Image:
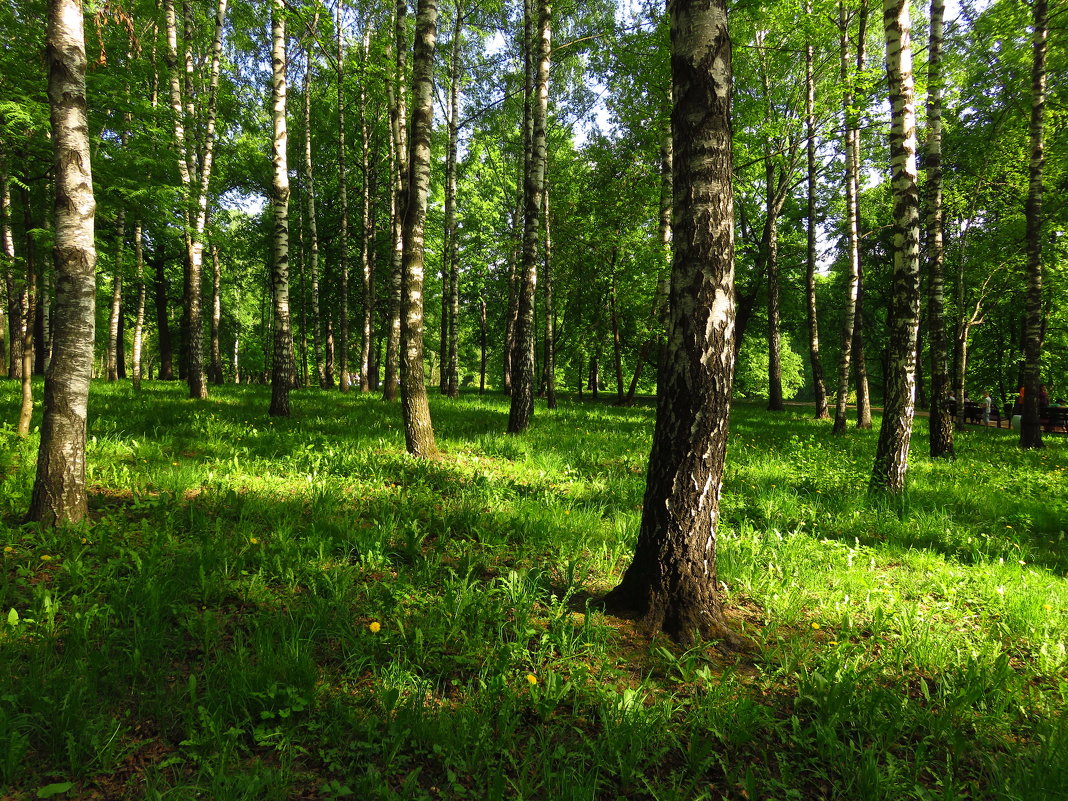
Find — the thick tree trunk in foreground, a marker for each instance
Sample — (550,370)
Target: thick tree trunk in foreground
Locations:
(899,404)
(59,487)
(1030,429)
(282,372)
(522,407)
(418,429)
(940,422)
(671,584)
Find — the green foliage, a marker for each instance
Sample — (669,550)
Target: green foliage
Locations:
(751,373)
(273,608)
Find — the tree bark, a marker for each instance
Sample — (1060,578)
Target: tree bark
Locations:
(59,493)
(166,349)
(216,317)
(30,294)
(344,377)
(116,297)
(1030,428)
(849,311)
(671,583)
(282,372)
(940,421)
(366,232)
(418,428)
(819,385)
(139,319)
(522,406)
(450,273)
(399,200)
(891,456)
(550,313)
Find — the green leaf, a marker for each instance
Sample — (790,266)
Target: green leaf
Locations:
(50,790)
(13,617)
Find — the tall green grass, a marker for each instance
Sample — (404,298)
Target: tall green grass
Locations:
(294,608)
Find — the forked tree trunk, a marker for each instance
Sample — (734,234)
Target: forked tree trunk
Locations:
(891,456)
(1030,428)
(139,319)
(418,428)
(522,407)
(940,421)
(59,487)
(282,371)
(671,583)
(819,386)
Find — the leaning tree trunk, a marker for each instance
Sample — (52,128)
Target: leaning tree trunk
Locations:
(940,422)
(1030,429)
(418,428)
(891,456)
(59,487)
(282,372)
(671,584)
(849,311)
(819,386)
(522,407)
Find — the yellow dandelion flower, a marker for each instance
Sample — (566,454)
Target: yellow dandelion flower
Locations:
(833,642)
(816,626)
(8,549)
(374,627)
(532,679)
(253,541)
(46,558)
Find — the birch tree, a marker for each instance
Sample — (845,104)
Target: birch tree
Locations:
(59,487)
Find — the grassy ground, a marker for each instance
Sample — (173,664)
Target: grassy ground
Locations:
(294,609)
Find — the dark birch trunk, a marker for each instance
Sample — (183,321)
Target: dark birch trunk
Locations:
(891,456)
(30,294)
(59,487)
(366,233)
(940,421)
(671,584)
(1030,428)
(116,298)
(550,313)
(860,361)
(522,407)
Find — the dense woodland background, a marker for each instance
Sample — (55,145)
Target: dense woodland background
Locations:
(608,104)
